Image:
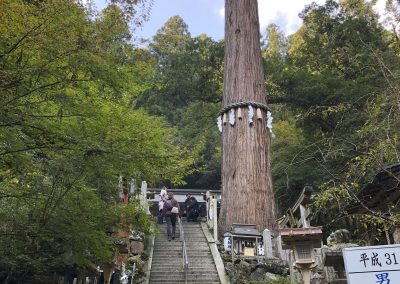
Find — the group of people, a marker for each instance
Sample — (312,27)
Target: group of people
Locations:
(168,208)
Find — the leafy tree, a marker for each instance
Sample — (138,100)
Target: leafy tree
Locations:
(66,134)
(340,67)
(186,89)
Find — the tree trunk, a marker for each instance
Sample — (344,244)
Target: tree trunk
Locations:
(247,195)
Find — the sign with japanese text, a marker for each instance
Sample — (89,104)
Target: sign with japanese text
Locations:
(372,265)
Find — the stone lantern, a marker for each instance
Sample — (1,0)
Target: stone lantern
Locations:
(302,241)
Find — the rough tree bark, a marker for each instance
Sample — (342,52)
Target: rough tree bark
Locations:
(247,195)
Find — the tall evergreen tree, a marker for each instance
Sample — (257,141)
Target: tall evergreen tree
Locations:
(247,195)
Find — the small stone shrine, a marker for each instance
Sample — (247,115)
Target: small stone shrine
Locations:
(243,240)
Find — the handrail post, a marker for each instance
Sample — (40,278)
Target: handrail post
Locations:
(184,251)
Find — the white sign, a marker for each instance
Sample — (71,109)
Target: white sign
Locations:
(372,265)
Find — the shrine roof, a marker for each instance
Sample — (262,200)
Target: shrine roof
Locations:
(381,193)
(245,230)
(300,231)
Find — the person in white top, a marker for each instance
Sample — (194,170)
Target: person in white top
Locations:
(163,198)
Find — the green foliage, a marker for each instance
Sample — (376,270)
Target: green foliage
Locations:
(74,95)
(144,256)
(186,89)
(67,133)
(337,87)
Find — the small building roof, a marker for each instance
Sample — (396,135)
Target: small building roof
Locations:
(290,235)
(245,230)
(300,231)
(380,194)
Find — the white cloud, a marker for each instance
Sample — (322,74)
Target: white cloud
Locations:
(285,13)
(221,12)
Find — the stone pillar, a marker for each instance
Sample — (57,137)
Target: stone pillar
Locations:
(279,247)
(210,212)
(143,197)
(291,267)
(306,274)
(267,244)
(215,220)
(208,208)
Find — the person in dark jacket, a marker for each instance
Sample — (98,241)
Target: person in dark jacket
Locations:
(170,216)
(192,208)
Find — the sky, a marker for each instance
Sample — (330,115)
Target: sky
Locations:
(207,16)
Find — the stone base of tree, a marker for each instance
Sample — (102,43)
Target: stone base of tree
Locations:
(250,271)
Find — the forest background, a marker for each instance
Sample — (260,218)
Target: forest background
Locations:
(82,104)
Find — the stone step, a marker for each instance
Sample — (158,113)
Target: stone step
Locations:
(161,268)
(178,242)
(193,265)
(179,265)
(177,251)
(200,234)
(191,281)
(169,257)
(178,247)
(191,271)
(196,247)
(203,259)
(188,241)
(165,241)
(183,281)
(181,275)
(191,277)
(164,233)
(190,253)
(188,250)
(203,271)
(167,263)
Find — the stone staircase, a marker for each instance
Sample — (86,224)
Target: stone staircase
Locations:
(167,262)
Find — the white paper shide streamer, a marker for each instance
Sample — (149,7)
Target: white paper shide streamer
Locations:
(251,114)
(269,123)
(232,117)
(219,123)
